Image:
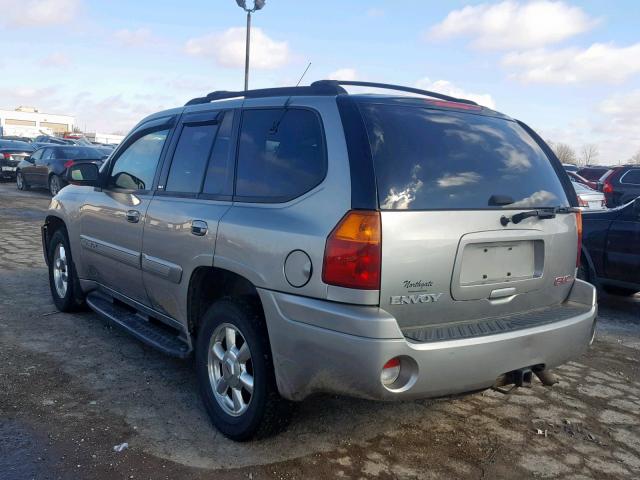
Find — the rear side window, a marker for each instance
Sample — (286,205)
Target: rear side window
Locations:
(281,154)
(632,177)
(428,159)
(190,158)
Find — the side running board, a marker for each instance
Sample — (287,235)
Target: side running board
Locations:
(159,337)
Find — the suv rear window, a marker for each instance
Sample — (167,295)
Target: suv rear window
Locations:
(428,159)
(632,177)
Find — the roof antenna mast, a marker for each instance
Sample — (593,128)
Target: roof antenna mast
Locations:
(303,74)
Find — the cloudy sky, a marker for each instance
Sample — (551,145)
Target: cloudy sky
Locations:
(569,69)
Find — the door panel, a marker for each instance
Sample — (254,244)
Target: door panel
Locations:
(622,255)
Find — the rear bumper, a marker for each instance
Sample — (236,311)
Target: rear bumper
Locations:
(311,358)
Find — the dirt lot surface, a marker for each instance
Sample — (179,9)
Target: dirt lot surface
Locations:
(72,387)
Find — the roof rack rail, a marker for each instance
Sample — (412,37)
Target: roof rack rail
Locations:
(320,89)
(387,86)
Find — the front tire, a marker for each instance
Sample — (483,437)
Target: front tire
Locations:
(21,183)
(63,279)
(235,372)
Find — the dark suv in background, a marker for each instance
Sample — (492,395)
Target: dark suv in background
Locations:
(47,166)
(621,185)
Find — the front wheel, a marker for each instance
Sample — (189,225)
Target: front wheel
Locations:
(235,372)
(63,280)
(21,182)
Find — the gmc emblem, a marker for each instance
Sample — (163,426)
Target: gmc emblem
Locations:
(563,280)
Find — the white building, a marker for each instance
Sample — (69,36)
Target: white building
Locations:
(111,138)
(30,122)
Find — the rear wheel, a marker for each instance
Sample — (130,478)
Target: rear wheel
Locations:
(55,184)
(235,372)
(63,280)
(21,183)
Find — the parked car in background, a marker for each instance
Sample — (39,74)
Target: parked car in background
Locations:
(48,165)
(320,244)
(49,140)
(592,173)
(621,184)
(15,137)
(611,248)
(588,198)
(11,153)
(580,179)
(569,167)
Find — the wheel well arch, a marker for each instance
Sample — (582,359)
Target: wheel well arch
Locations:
(209,284)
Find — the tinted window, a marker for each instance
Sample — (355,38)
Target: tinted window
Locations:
(190,158)
(592,174)
(219,180)
(77,152)
(135,168)
(433,159)
(37,154)
(631,177)
(281,154)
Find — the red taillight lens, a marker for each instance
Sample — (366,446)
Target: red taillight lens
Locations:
(579,228)
(68,163)
(7,156)
(607,187)
(352,255)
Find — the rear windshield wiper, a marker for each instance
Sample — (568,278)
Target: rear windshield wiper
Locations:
(541,213)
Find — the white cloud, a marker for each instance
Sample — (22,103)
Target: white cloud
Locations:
(598,63)
(343,74)
(56,59)
(134,38)
(228,49)
(35,13)
(513,25)
(448,88)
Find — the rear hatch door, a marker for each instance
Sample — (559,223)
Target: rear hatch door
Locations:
(449,184)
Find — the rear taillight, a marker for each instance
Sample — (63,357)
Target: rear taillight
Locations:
(579,228)
(68,163)
(7,156)
(607,187)
(352,255)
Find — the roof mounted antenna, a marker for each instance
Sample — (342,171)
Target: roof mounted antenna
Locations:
(303,74)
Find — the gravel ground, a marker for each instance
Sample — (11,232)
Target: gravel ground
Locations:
(72,387)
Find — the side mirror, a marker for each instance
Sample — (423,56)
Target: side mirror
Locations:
(83,174)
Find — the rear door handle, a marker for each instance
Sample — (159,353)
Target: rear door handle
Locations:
(133,216)
(199,227)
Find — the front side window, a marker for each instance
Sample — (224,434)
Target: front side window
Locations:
(135,168)
(281,154)
(190,158)
(428,159)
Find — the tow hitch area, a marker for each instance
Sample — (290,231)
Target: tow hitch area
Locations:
(522,378)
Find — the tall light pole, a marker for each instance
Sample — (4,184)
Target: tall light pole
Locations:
(257,5)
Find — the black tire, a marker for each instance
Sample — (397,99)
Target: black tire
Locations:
(55,184)
(21,183)
(267,412)
(73,298)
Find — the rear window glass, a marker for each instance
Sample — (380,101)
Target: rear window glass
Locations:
(77,152)
(427,159)
(592,174)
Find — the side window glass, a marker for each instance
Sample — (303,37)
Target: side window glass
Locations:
(135,168)
(281,154)
(37,155)
(219,179)
(190,158)
(632,177)
(48,153)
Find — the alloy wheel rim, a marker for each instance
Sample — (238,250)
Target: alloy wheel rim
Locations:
(230,369)
(19,180)
(60,270)
(55,187)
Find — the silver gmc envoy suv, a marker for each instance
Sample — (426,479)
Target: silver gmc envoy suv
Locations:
(302,240)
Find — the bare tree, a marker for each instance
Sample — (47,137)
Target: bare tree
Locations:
(635,159)
(590,153)
(564,152)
